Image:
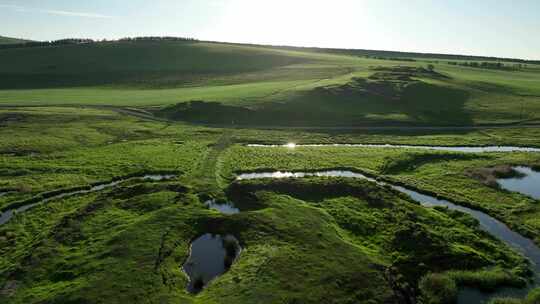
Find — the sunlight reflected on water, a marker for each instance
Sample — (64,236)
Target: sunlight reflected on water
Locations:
(290,145)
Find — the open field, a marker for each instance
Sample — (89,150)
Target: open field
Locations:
(83,249)
(442,173)
(98,145)
(273,86)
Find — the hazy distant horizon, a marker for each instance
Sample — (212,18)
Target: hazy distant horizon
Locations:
(483,28)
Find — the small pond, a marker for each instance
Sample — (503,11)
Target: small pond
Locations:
(528,183)
(158,177)
(210,256)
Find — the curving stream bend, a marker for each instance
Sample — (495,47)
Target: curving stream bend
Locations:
(7,215)
(493,226)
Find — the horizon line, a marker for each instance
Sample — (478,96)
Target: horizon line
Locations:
(118,39)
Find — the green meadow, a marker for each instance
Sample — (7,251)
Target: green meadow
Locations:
(329,89)
(80,115)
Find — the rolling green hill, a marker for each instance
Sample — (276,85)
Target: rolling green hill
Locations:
(9,40)
(133,64)
(267,85)
(101,207)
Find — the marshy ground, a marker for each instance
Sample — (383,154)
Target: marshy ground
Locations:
(297,235)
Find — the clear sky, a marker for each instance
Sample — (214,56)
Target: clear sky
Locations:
(478,27)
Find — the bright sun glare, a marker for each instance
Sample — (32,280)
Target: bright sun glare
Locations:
(291,145)
(299,22)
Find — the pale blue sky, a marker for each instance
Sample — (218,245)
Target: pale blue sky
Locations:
(480,27)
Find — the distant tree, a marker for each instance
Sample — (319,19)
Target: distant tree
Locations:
(431,67)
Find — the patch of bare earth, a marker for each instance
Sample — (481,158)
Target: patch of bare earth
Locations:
(489,175)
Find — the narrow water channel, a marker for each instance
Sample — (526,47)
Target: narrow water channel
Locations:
(493,226)
(8,214)
(464,149)
(528,183)
(223,207)
(210,256)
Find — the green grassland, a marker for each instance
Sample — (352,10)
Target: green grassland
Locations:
(443,173)
(10,40)
(53,148)
(450,137)
(275,86)
(47,148)
(85,248)
(76,115)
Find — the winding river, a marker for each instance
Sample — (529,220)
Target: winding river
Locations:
(8,214)
(493,226)
(463,149)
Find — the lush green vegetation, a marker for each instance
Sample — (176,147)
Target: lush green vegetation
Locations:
(447,174)
(44,149)
(532,298)
(75,114)
(85,248)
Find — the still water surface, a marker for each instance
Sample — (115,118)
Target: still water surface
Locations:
(464,149)
(527,184)
(223,207)
(210,256)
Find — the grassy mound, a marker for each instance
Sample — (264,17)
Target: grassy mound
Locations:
(128,245)
(411,238)
(307,242)
(382,98)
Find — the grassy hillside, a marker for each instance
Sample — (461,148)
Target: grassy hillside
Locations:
(146,64)
(267,86)
(9,40)
(405,56)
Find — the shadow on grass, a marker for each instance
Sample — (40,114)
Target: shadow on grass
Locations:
(357,103)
